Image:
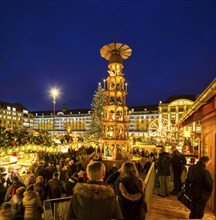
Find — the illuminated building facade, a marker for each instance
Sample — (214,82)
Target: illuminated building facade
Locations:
(15,116)
(77,120)
(172,111)
(141,118)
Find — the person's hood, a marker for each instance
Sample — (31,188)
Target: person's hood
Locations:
(28,195)
(131,188)
(93,194)
(129,196)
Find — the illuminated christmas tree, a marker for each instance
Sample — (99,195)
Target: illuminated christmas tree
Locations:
(98,103)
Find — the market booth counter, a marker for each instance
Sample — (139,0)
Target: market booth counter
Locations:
(19,161)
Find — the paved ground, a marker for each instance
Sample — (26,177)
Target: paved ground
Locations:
(171,208)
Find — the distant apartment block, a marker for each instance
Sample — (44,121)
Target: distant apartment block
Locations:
(15,116)
(141,117)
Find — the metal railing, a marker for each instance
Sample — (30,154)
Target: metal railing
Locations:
(56,209)
(149,185)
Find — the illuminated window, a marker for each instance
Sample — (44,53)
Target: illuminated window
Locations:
(25,111)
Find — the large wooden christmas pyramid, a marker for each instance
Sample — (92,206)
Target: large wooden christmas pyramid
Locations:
(115,124)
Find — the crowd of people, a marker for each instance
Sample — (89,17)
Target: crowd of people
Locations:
(97,192)
(22,196)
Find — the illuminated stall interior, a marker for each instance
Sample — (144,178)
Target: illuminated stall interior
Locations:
(203,112)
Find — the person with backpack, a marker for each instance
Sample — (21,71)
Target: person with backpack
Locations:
(11,191)
(163,164)
(178,160)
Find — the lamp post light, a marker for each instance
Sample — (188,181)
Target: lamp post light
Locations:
(54,92)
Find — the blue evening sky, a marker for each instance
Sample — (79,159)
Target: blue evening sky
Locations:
(57,43)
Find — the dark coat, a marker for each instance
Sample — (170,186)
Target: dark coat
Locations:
(40,171)
(40,189)
(49,172)
(33,206)
(72,169)
(202,182)
(64,175)
(178,160)
(70,184)
(93,200)
(54,188)
(163,164)
(3,191)
(130,191)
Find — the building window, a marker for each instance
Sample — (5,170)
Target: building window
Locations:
(172,109)
(172,121)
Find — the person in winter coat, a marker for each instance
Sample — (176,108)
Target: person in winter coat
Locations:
(49,170)
(70,184)
(17,207)
(64,173)
(130,191)
(112,170)
(94,200)
(32,204)
(11,191)
(30,178)
(39,187)
(5,211)
(40,170)
(178,160)
(71,168)
(202,186)
(163,164)
(54,187)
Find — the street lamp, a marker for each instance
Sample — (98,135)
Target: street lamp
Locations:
(54,92)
